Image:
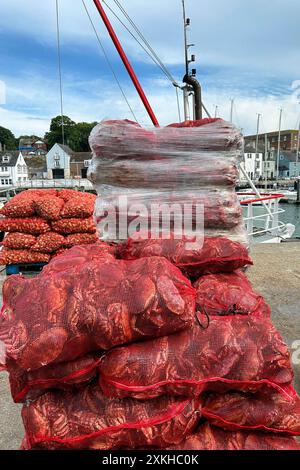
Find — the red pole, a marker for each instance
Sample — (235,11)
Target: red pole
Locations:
(126,62)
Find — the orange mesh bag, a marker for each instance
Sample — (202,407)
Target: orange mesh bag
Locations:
(210,438)
(233,353)
(70,226)
(30,385)
(79,207)
(18,207)
(69,194)
(113,302)
(229,294)
(49,207)
(266,410)
(80,239)
(88,420)
(19,241)
(8,256)
(34,225)
(216,255)
(49,242)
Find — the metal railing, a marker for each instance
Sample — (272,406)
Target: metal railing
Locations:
(270,218)
(58,183)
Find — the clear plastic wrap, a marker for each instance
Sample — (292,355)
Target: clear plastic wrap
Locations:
(191,168)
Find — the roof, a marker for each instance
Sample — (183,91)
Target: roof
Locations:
(66,149)
(273,133)
(78,157)
(13,154)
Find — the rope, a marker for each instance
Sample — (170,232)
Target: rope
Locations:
(60,73)
(108,61)
(142,37)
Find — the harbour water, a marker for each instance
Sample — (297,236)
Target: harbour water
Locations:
(291,215)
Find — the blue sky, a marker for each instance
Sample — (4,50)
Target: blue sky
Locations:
(247,50)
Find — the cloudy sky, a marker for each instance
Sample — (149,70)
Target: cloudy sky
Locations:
(246,50)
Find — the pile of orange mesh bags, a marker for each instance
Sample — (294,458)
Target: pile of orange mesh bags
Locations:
(149,343)
(42,223)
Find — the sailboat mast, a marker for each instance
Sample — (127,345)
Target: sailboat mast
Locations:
(279,142)
(257,132)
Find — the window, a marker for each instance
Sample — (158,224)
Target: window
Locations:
(2,181)
(56,164)
(87,163)
(19,168)
(5,158)
(285,138)
(10,181)
(56,156)
(6,182)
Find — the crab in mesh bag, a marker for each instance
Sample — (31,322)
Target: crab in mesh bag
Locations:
(65,376)
(86,419)
(266,410)
(233,353)
(229,294)
(211,438)
(216,254)
(87,301)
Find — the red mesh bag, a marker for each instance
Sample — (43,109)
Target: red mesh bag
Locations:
(61,251)
(265,410)
(29,385)
(19,241)
(69,194)
(49,207)
(49,242)
(69,226)
(88,420)
(34,226)
(216,255)
(79,207)
(18,207)
(210,438)
(198,123)
(80,239)
(113,302)
(8,256)
(233,353)
(229,294)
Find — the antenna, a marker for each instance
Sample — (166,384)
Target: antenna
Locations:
(192,85)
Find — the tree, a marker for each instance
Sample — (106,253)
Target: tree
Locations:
(55,134)
(8,139)
(76,134)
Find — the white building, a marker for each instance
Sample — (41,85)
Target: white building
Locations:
(63,162)
(13,169)
(253,165)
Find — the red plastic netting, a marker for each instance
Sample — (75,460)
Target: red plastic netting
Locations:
(33,226)
(19,241)
(30,385)
(79,207)
(229,294)
(49,207)
(113,302)
(233,353)
(210,438)
(88,420)
(265,410)
(8,257)
(49,242)
(80,239)
(69,226)
(216,255)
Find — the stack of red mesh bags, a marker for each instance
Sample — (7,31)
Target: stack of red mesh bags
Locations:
(42,223)
(187,165)
(148,344)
